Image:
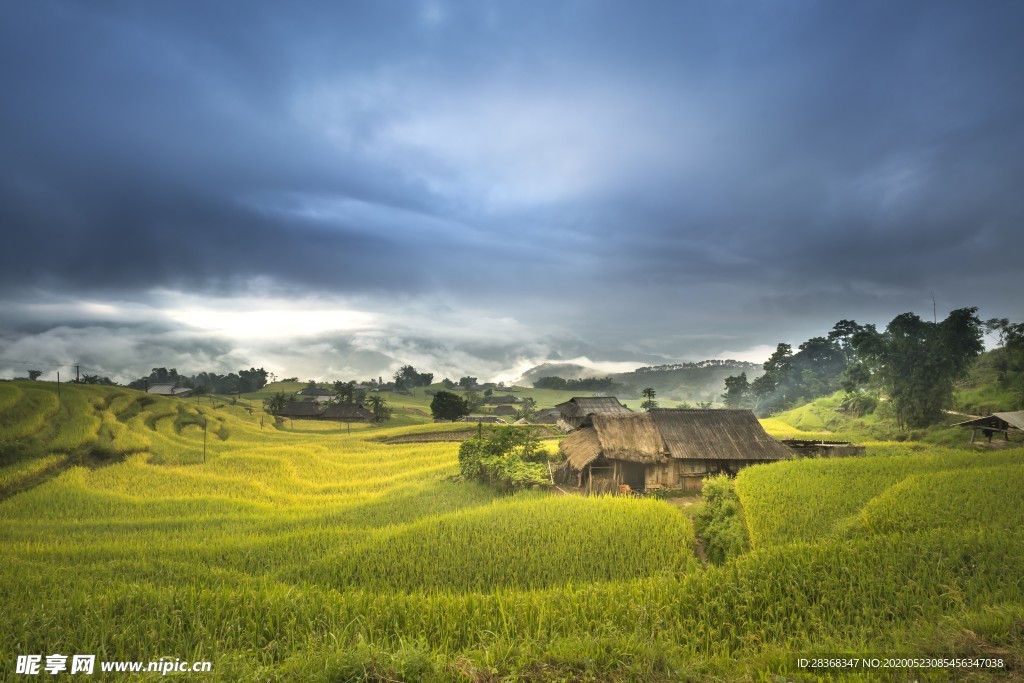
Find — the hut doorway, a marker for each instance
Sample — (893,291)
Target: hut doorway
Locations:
(633,474)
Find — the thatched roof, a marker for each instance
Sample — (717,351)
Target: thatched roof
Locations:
(500,400)
(581,406)
(716,435)
(996,421)
(347,411)
(629,436)
(1013,419)
(300,409)
(581,448)
(661,434)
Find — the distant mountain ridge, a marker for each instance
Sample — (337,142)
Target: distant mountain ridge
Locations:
(710,363)
(693,381)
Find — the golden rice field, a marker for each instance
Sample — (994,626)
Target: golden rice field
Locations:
(309,553)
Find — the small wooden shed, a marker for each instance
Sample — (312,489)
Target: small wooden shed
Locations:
(665,448)
(996,423)
(809,448)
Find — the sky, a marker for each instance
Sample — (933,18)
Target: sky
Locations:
(332,190)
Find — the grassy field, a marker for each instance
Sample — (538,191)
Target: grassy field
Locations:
(306,552)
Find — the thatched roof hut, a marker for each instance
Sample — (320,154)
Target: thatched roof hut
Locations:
(716,434)
(500,400)
(347,412)
(577,410)
(667,447)
(1005,423)
(300,409)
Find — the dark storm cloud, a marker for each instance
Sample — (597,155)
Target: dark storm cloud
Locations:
(672,178)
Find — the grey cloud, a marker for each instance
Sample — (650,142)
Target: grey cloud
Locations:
(659,180)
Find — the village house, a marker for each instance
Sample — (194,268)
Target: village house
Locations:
(546,416)
(169,390)
(500,400)
(315,392)
(576,412)
(664,448)
(348,412)
(304,410)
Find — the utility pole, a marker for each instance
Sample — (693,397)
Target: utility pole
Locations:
(58,386)
(76,374)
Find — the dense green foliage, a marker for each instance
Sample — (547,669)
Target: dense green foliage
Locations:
(596,384)
(737,391)
(407,377)
(916,362)
(508,458)
(448,406)
(996,380)
(244,381)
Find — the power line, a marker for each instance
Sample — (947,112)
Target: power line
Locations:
(33,362)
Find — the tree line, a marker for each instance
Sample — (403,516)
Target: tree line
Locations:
(914,363)
(244,381)
(598,384)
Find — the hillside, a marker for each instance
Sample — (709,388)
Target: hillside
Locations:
(691,382)
(307,553)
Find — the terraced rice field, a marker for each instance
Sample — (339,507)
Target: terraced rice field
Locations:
(311,553)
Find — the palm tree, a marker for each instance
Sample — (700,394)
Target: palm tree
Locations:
(379,407)
(649,401)
(276,403)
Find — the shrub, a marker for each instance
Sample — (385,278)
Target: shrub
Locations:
(509,458)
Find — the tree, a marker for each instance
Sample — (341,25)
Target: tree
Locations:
(34,374)
(474,400)
(97,379)
(345,392)
(252,379)
(527,407)
(842,335)
(276,403)
(766,388)
(917,362)
(649,401)
(737,391)
(407,377)
(467,382)
(379,407)
(448,406)
(509,458)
